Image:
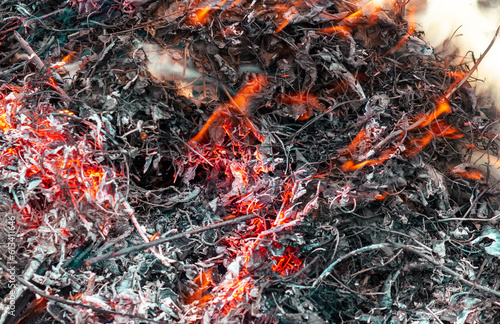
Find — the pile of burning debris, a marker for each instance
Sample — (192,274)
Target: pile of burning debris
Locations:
(240,162)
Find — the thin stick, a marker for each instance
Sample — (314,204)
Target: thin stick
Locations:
(19,289)
(455,86)
(327,271)
(331,109)
(32,55)
(144,246)
(39,63)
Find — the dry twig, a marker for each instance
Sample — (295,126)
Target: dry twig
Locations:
(144,246)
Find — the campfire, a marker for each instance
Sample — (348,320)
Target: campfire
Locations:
(242,162)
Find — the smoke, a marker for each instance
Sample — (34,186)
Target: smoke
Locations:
(470,26)
(168,64)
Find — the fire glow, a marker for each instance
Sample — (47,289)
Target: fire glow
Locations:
(246,167)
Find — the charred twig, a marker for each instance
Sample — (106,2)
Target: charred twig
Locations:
(455,274)
(18,290)
(61,300)
(144,246)
(330,110)
(378,266)
(428,258)
(195,151)
(329,269)
(146,239)
(456,85)
(11,54)
(39,63)
(32,55)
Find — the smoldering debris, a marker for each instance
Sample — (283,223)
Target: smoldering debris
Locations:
(241,162)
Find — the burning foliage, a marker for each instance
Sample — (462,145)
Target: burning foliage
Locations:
(240,162)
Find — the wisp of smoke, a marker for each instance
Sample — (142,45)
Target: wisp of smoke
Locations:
(471,27)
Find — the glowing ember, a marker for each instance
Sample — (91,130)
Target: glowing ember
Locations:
(309,101)
(67,112)
(4,124)
(288,263)
(60,173)
(382,196)
(235,288)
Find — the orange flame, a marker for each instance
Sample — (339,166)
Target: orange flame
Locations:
(455,74)
(288,16)
(443,107)
(200,16)
(441,128)
(204,281)
(370,9)
(415,146)
(342,30)
(470,174)
(253,87)
(386,154)
(239,105)
(360,137)
(350,166)
(355,16)
(232,5)
(68,58)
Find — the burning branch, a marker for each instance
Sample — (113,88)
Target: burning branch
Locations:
(457,84)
